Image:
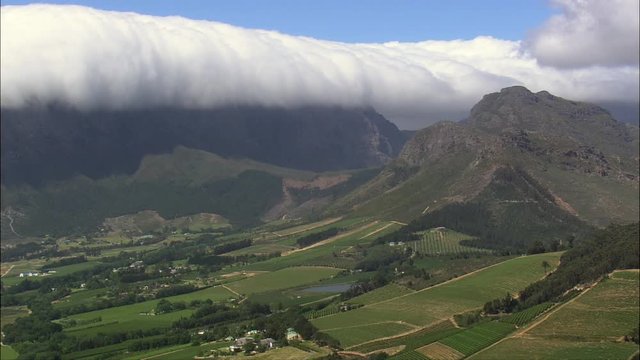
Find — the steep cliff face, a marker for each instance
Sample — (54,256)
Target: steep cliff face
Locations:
(39,145)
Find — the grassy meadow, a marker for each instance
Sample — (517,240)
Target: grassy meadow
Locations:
(282,279)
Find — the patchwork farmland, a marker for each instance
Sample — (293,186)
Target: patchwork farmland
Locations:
(440,302)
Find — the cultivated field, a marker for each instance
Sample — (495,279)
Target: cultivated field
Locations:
(358,334)
(411,341)
(330,253)
(131,317)
(477,337)
(522,317)
(380,294)
(186,352)
(408,355)
(439,351)
(441,242)
(282,279)
(589,327)
(440,302)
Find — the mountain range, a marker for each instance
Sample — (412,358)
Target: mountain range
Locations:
(531,160)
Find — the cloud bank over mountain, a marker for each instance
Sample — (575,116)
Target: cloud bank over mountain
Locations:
(93,59)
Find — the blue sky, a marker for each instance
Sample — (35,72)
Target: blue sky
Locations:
(355,20)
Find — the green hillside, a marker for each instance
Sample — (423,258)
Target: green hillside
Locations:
(183,183)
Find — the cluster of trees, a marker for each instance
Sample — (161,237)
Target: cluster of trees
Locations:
(311,239)
(468,318)
(216,262)
(275,326)
(380,279)
(178,289)
(165,306)
(35,327)
(538,247)
(229,247)
(20,251)
(506,304)
(173,338)
(216,314)
(65,261)
(379,257)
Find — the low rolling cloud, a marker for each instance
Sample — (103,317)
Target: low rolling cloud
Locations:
(93,59)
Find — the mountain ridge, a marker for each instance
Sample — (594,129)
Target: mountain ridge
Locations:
(40,145)
(577,151)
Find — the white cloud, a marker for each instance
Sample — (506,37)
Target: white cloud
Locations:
(590,32)
(97,59)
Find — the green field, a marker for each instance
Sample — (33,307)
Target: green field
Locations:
(590,327)
(70,269)
(129,316)
(282,279)
(329,310)
(353,335)
(522,317)
(441,242)
(440,302)
(287,298)
(411,341)
(478,337)
(80,297)
(179,352)
(7,353)
(380,294)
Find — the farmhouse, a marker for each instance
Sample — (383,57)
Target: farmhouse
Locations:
(268,342)
(30,274)
(293,335)
(137,264)
(243,341)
